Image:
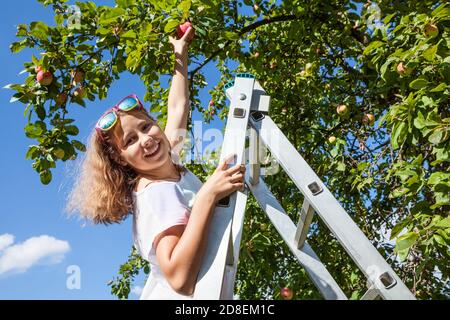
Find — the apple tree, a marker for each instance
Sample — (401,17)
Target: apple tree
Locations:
(361,89)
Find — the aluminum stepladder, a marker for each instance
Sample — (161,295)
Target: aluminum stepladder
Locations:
(249,108)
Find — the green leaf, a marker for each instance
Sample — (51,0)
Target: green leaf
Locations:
(398,134)
(185,5)
(125,3)
(171,25)
(372,46)
(39,30)
(59,19)
(438,88)
(418,84)
(437,177)
(403,254)
(396,193)
(442,12)
(130,34)
(18,46)
(406,241)
(32,152)
(78,145)
(430,53)
(444,223)
(437,136)
(231,35)
(33,131)
(111,15)
(340,166)
(72,130)
(399,227)
(439,239)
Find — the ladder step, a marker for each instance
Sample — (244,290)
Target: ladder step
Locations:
(371,294)
(304,221)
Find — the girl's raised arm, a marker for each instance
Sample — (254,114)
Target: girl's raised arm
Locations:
(178,101)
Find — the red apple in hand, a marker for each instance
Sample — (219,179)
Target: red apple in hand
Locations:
(286,293)
(44,77)
(182,28)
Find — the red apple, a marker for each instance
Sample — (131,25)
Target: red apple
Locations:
(61,98)
(431,30)
(77,76)
(182,28)
(286,293)
(342,109)
(44,77)
(403,70)
(79,92)
(284,110)
(369,119)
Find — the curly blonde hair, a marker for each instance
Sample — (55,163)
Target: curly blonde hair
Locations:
(102,191)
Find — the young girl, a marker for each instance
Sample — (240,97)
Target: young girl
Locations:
(129,169)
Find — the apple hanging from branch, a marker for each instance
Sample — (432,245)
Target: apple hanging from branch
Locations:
(342,110)
(431,30)
(369,119)
(44,77)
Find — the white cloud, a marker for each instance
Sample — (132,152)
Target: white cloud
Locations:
(137,290)
(6,240)
(20,257)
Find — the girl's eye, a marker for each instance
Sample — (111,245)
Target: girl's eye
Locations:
(129,142)
(146,126)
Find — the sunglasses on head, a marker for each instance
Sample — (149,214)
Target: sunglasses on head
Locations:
(109,118)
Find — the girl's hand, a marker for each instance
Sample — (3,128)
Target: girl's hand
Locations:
(224,181)
(181,45)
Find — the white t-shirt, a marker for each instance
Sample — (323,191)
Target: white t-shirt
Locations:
(157,207)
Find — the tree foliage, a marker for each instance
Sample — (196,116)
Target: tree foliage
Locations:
(389,59)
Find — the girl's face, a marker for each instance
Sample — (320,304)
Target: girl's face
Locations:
(141,142)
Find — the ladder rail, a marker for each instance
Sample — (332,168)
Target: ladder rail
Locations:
(211,275)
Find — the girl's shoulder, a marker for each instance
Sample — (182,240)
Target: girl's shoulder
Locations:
(144,182)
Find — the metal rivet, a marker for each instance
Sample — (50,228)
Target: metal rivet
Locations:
(242,96)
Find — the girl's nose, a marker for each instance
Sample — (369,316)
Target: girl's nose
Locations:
(148,141)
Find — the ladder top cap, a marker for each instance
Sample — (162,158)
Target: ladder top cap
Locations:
(245,75)
(229,84)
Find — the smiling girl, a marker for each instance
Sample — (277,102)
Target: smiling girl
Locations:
(129,168)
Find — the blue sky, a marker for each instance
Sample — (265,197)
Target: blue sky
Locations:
(39,244)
